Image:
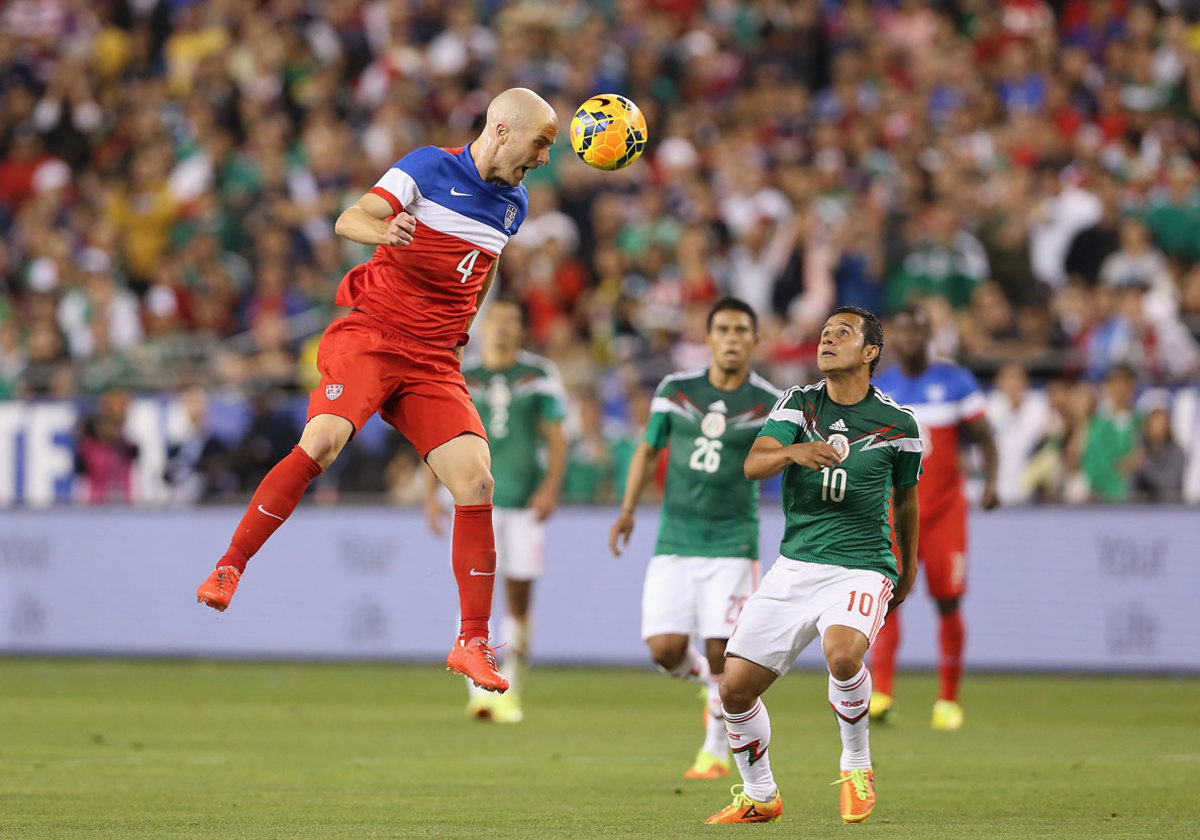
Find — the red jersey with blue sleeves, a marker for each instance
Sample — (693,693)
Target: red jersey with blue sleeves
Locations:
(428,289)
(943,398)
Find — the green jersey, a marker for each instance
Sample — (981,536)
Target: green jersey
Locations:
(513,403)
(709,508)
(839,515)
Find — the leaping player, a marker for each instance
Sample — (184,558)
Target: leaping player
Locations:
(440,218)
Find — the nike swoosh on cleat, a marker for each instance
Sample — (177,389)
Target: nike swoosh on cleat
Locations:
(477,573)
(262,509)
(453,191)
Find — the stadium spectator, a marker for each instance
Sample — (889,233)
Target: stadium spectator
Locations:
(104,455)
(1159,460)
(946,261)
(1018,415)
(199,467)
(1112,437)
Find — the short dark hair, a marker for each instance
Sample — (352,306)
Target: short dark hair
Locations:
(872,328)
(731,304)
(513,300)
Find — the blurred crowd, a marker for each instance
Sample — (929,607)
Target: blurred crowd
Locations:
(170,171)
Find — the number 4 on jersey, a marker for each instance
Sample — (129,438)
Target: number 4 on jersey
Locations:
(467,264)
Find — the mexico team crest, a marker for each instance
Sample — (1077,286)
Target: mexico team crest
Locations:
(841,445)
(510,216)
(713,424)
(332,392)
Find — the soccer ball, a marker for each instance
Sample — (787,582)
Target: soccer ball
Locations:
(608,131)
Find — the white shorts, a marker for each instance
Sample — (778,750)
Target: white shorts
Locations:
(798,601)
(520,543)
(696,596)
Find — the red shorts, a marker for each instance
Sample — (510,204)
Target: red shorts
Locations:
(942,550)
(415,387)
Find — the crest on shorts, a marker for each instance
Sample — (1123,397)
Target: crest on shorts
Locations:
(510,216)
(332,392)
(841,445)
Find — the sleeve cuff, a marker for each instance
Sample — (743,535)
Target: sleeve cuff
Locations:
(388,197)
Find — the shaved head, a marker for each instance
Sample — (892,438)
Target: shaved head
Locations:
(521,128)
(516,105)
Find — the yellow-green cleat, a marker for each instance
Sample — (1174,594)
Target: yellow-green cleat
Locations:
(506,708)
(480,706)
(947,716)
(707,766)
(881,706)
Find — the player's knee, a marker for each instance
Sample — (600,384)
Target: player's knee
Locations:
(843,664)
(736,698)
(666,656)
(322,445)
(472,485)
(947,606)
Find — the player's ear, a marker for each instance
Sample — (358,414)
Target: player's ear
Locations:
(872,351)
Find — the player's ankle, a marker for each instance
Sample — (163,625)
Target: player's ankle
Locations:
(473,629)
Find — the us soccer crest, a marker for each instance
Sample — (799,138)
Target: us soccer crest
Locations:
(332,392)
(841,445)
(713,424)
(510,216)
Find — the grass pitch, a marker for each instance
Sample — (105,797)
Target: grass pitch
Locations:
(98,749)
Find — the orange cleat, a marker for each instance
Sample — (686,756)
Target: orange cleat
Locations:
(743,809)
(858,794)
(476,661)
(218,590)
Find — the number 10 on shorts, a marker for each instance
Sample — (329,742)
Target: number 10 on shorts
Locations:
(866,602)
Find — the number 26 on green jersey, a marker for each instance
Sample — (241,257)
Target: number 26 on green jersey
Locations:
(706,457)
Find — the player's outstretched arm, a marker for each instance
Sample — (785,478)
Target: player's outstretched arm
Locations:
(905,516)
(635,484)
(365,222)
(768,457)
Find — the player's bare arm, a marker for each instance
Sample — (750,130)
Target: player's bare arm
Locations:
(980,433)
(768,457)
(366,222)
(905,516)
(635,485)
(545,498)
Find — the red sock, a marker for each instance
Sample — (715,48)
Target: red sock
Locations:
(473,549)
(883,655)
(272,503)
(950,636)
